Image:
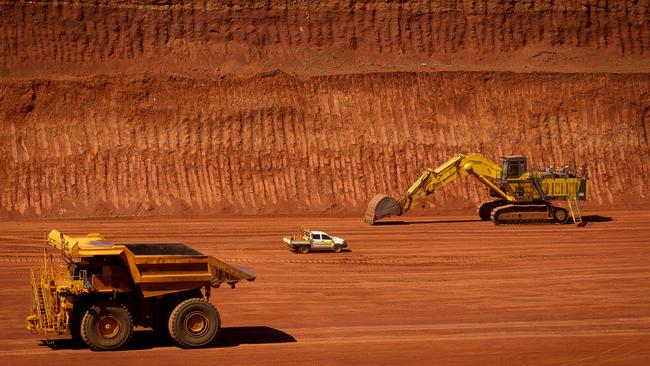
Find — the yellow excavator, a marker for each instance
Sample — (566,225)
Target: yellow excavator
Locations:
(523,197)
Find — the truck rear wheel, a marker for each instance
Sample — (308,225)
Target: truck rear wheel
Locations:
(303,249)
(194,323)
(106,327)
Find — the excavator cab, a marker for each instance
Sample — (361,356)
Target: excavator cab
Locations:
(514,166)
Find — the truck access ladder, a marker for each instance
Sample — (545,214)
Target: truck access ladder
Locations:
(575,209)
(42,309)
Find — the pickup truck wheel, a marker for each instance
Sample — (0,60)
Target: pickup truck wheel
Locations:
(194,323)
(337,249)
(106,327)
(303,249)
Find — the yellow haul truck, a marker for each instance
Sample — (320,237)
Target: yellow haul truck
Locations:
(99,291)
(523,196)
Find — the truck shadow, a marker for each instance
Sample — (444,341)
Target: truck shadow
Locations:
(388,223)
(234,336)
(228,337)
(329,252)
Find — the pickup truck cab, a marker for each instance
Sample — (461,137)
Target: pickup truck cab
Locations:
(309,240)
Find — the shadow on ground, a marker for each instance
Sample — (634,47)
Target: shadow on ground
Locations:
(387,223)
(596,218)
(585,219)
(228,337)
(327,251)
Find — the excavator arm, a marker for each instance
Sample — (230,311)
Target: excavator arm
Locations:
(430,180)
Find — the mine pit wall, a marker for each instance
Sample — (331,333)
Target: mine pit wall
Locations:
(275,143)
(321,37)
(177,107)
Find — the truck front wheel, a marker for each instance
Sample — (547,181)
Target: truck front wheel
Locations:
(106,327)
(194,323)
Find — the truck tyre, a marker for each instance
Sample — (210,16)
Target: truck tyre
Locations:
(106,327)
(303,249)
(337,249)
(194,323)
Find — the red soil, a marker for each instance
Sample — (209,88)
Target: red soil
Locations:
(419,294)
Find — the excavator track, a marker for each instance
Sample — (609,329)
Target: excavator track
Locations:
(486,209)
(526,214)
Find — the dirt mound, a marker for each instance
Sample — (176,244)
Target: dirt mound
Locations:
(120,108)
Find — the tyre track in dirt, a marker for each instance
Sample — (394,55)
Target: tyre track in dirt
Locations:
(543,295)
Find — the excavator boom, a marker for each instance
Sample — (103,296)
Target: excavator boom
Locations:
(381,205)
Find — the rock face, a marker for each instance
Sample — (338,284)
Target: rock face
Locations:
(207,107)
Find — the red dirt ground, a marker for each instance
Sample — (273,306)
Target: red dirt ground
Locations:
(428,290)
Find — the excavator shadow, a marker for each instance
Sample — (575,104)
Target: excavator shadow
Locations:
(585,220)
(594,218)
(394,222)
(228,337)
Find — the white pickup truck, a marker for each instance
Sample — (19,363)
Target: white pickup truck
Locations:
(309,240)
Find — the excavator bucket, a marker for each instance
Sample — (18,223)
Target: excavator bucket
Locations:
(381,206)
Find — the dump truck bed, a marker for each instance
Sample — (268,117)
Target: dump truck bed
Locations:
(159,268)
(155,268)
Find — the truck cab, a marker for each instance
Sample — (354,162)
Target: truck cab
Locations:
(322,240)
